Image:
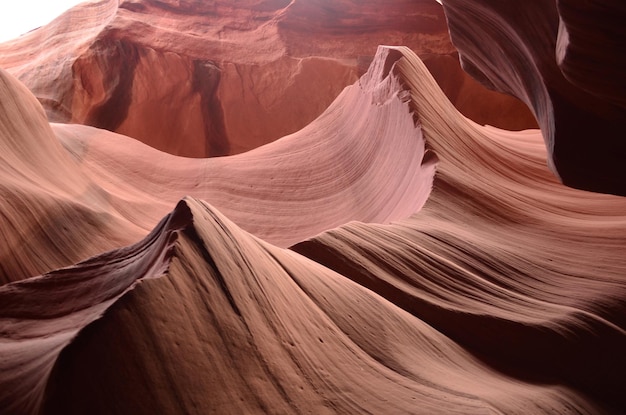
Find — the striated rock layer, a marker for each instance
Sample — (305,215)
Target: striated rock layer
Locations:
(362,159)
(565,60)
(200,79)
(503,294)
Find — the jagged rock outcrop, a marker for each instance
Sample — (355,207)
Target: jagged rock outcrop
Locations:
(200,79)
(565,60)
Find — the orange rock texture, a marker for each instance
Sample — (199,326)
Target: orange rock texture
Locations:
(201,79)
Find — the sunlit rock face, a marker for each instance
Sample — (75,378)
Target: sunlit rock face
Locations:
(205,79)
(564,59)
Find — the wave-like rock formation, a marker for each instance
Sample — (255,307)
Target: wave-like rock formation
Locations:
(200,79)
(565,60)
(503,294)
(362,159)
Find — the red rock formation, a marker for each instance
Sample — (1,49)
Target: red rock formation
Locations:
(199,79)
(563,59)
(505,293)
(362,159)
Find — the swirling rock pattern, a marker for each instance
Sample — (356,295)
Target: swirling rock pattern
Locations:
(201,79)
(503,294)
(563,58)
(362,159)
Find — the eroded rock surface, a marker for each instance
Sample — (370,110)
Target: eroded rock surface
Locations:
(565,60)
(503,292)
(201,79)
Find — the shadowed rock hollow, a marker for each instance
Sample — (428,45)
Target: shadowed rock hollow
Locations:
(565,60)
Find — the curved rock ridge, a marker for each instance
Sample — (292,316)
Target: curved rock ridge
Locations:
(504,293)
(520,270)
(85,190)
(563,59)
(41,316)
(262,328)
(203,79)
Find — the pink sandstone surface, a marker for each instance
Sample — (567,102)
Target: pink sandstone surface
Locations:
(392,256)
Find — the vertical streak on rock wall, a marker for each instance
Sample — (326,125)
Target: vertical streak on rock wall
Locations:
(117,61)
(206,79)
